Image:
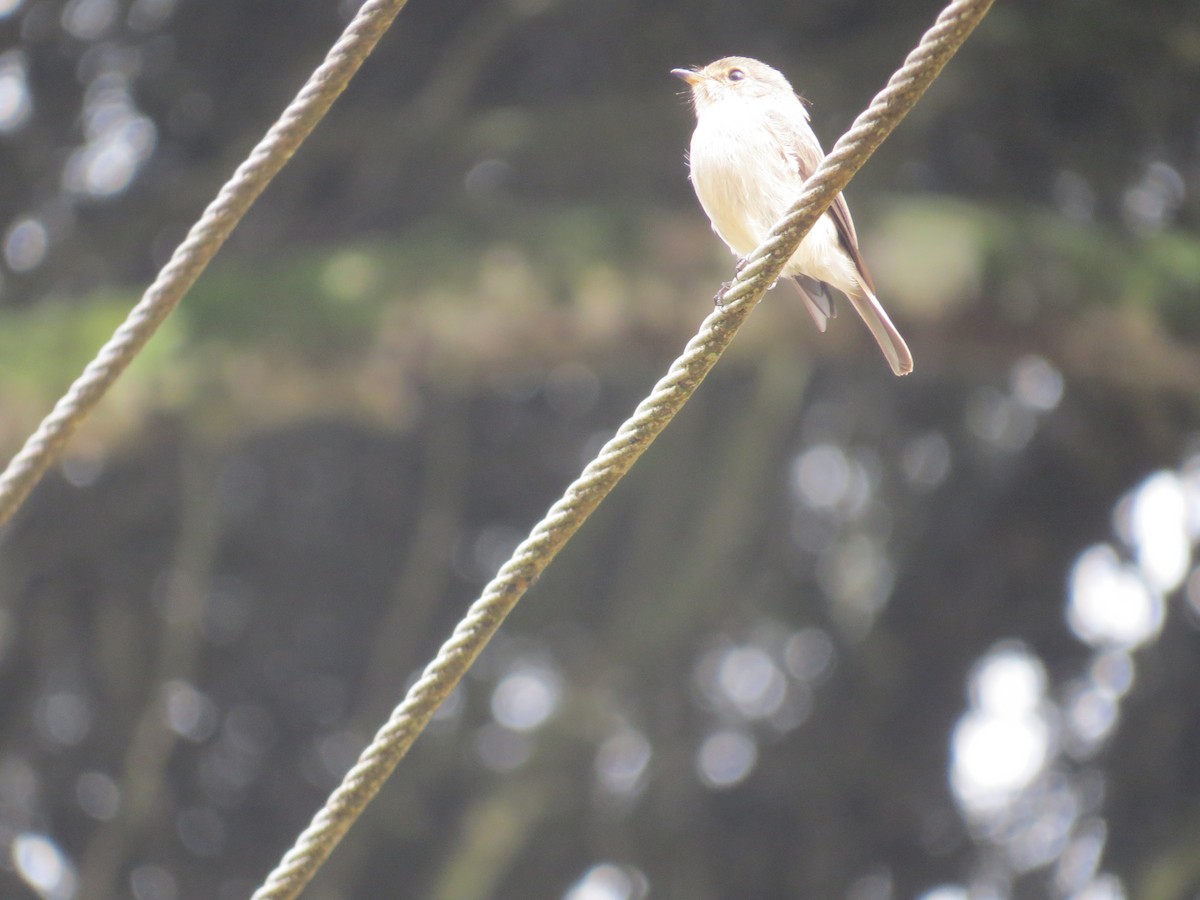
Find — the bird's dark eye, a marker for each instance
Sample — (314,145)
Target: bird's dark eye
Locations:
(735,75)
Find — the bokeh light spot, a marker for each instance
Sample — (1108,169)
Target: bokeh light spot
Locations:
(725,758)
(1110,604)
(751,682)
(64,717)
(98,795)
(26,244)
(926,460)
(502,749)
(1002,743)
(526,697)
(89,19)
(1000,421)
(821,476)
(44,866)
(189,713)
(608,881)
(945,892)
(1008,682)
(621,762)
(809,655)
(1159,531)
(1036,384)
(996,756)
(16,103)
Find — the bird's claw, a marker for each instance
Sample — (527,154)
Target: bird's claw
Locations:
(719,296)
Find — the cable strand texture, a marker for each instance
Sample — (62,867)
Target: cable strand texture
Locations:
(652,415)
(193,255)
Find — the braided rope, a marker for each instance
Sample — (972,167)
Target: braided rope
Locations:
(192,256)
(565,517)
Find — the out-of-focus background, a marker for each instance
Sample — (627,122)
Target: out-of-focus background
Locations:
(837,635)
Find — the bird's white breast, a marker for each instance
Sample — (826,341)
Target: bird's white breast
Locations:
(746,180)
(741,177)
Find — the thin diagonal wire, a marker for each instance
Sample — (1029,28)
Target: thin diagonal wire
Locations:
(565,517)
(192,256)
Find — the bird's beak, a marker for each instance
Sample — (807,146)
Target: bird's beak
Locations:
(689,75)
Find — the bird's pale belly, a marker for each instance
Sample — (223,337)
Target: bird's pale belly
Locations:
(747,191)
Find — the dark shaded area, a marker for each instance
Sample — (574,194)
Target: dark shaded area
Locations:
(837,634)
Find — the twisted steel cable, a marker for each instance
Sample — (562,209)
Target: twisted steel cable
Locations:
(632,439)
(192,256)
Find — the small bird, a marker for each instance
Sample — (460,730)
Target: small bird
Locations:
(752,151)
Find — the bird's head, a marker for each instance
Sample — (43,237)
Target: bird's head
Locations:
(733,77)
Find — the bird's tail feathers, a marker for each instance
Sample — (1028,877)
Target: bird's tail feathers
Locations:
(884,332)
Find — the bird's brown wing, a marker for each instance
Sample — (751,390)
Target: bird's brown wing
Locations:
(805,153)
(802,150)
